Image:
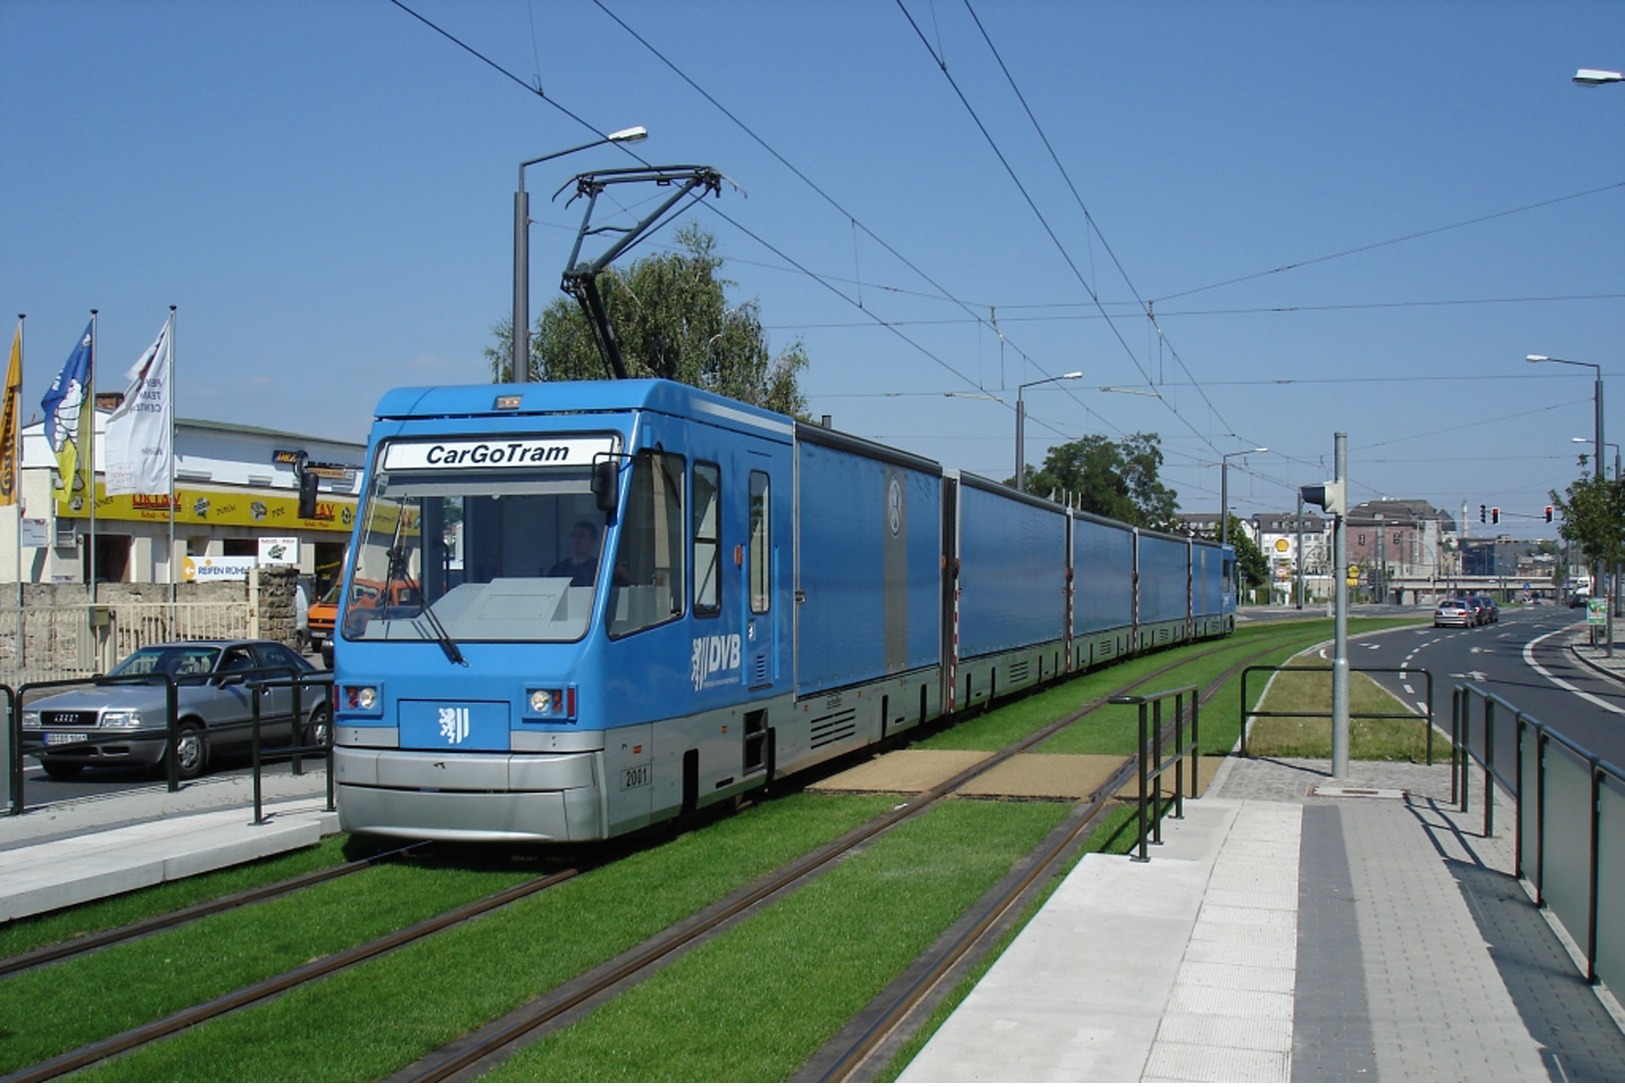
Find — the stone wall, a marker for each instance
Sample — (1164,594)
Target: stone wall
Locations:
(58,635)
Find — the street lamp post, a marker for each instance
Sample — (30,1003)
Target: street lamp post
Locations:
(1596,77)
(1597,438)
(521,247)
(1021,419)
(1224,490)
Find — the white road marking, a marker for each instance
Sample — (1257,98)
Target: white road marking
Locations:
(1529,659)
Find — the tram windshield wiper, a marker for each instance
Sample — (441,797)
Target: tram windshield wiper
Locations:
(442,637)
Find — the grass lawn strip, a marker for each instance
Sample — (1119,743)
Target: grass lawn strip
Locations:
(381,1016)
(755,1003)
(57,1008)
(43,930)
(1374,739)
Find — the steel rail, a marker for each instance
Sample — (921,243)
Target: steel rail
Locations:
(873,1031)
(480,1045)
(80,945)
(125,1041)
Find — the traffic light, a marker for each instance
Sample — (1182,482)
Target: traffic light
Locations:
(308,482)
(1548,515)
(1328,496)
(1483,513)
(1495,515)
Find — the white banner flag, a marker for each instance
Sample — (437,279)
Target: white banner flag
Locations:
(137,454)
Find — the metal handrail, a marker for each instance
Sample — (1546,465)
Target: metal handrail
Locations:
(1151,765)
(14,752)
(298,682)
(1598,772)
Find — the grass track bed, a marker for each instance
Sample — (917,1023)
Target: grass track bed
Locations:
(756,1003)
(811,960)
(58,1008)
(31,933)
(369,1022)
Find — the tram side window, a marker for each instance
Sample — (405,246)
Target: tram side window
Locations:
(648,583)
(761,589)
(707,539)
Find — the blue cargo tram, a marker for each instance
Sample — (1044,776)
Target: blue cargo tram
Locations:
(582,608)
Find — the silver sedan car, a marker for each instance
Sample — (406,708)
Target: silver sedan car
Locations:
(1455,613)
(125,724)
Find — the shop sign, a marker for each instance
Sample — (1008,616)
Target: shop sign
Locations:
(239,509)
(342,473)
(221,568)
(279,550)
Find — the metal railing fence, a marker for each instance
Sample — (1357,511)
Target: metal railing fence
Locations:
(318,742)
(1565,796)
(1426,718)
(1151,765)
(257,681)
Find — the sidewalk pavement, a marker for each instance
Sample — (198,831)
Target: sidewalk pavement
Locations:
(68,852)
(1294,928)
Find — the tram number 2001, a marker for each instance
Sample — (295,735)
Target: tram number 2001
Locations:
(635,777)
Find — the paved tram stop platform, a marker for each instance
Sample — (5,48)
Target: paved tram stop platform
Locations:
(1289,928)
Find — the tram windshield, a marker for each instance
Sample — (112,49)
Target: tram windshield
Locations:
(460,544)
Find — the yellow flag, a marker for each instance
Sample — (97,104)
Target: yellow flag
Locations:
(10,459)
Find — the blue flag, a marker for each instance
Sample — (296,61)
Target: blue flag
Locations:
(66,406)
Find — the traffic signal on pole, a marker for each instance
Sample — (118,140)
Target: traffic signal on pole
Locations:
(1483,513)
(1495,515)
(1548,515)
(1328,496)
(308,482)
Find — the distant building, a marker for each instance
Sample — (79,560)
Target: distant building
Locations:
(1402,538)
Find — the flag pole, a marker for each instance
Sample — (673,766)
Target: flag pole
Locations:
(88,465)
(16,437)
(172,455)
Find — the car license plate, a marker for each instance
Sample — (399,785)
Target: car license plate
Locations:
(54,738)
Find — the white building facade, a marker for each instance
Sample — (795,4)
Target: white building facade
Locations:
(235,503)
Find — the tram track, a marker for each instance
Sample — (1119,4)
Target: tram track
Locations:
(479,1049)
(475,1053)
(147,926)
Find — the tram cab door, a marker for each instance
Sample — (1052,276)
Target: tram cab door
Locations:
(761,623)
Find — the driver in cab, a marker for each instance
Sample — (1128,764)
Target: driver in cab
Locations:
(581,565)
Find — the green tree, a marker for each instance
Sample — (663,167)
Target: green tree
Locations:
(1113,479)
(671,316)
(1593,517)
(1252,568)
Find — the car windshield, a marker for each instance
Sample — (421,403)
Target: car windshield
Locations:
(492,540)
(187,660)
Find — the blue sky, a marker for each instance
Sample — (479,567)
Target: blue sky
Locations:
(1351,217)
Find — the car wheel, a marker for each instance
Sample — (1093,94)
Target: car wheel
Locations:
(191,752)
(316,730)
(61,771)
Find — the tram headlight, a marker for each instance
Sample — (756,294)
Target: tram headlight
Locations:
(361,698)
(552,702)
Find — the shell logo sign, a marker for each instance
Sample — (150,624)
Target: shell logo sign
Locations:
(1281,546)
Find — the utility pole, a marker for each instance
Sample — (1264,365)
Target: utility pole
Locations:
(1340,650)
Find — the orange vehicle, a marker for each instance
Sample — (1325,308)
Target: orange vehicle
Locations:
(322,618)
(323,615)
